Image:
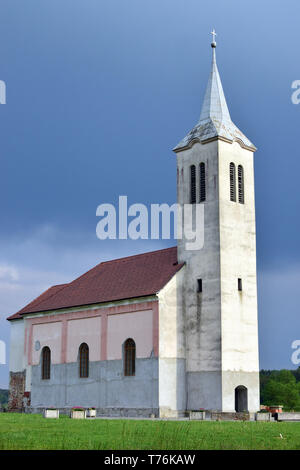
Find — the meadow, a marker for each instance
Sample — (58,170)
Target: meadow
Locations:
(33,432)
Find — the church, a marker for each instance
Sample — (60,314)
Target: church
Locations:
(164,332)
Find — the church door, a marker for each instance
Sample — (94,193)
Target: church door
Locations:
(241,398)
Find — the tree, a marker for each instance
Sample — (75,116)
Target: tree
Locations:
(3,397)
(296,374)
(281,388)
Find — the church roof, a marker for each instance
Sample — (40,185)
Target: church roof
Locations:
(119,279)
(215,120)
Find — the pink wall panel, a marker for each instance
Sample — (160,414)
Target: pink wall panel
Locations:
(136,325)
(85,330)
(103,329)
(48,334)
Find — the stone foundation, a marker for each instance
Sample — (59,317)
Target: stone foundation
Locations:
(229,416)
(165,413)
(263,416)
(287,416)
(109,412)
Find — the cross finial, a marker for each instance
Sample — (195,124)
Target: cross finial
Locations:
(213,44)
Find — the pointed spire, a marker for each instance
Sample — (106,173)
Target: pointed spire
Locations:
(215,120)
(214,105)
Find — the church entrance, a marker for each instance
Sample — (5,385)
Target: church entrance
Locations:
(241,398)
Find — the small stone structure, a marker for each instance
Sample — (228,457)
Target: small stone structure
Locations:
(91,413)
(197,415)
(274,408)
(264,417)
(78,414)
(51,413)
(285,416)
(234,416)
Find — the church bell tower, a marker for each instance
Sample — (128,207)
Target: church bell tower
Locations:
(218,292)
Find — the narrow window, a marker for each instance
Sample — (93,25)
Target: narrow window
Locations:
(129,357)
(202,182)
(46,362)
(240,287)
(232,182)
(193,185)
(241,184)
(199,285)
(83,360)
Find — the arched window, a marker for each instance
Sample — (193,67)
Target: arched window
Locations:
(193,184)
(241,184)
(202,182)
(83,360)
(129,357)
(232,182)
(46,363)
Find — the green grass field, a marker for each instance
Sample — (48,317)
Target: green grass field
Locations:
(24,432)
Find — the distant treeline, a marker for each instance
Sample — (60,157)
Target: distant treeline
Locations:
(280,387)
(3,397)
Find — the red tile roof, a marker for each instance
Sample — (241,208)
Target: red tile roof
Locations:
(41,298)
(124,278)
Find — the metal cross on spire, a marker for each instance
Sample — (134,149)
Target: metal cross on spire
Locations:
(214,34)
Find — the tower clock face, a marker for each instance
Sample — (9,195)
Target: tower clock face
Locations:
(37,345)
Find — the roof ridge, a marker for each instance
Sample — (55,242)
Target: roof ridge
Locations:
(121,259)
(139,254)
(42,294)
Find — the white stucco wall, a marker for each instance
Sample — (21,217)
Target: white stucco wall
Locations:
(16,357)
(171,321)
(202,312)
(220,323)
(172,390)
(238,260)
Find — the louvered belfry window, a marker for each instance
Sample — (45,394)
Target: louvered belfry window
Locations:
(46,363)
(202,182)
(241,184)
(232,182)
(129,357)
(193,184)
(83,360)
